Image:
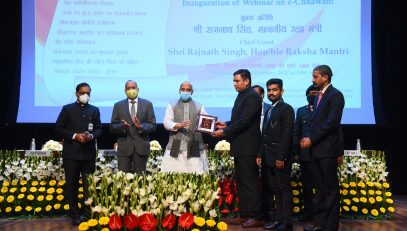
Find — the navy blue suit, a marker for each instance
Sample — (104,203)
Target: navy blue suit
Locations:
(326,145)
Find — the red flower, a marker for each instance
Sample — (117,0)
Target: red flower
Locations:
(115,223)
(130,221)
(237,199)
(225,211)
(235,185)
(220,201)
(227,186)
(235,210)
(229,199)
(168,221)
(186,220)
(147,222)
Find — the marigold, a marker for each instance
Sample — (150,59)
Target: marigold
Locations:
(363,199)
(104,220)
(52,183)
(4,189)
(6,183)
(210,223)
(378,192)
(296,200)
(10,198)
(382,210)
(346,208)
(80,189)
(80,196)
(378,185)
(14,182)
(388,194)
(38,209)
(41,189)
(353,192)
(389,201)
(9,209)
(48,208)
(60,190)
(66,207)
(345,185)
(386,185)
(352,184)
(33,189)
(60,197)
(296,192)
(1,198)
(293,184)
(30,197)
(83,226)
(199,221)
(372,200)
(57,206)
(346,201)
(105,229)
(61,183)
(222,226)
(370,184)
(43,183)
(371,192)
(13,190)
(34,183)
(361,184)
(391,209)
(195,229)
(92,222)
(40,198)
(23,182)
(49,197)
(23,189)
(355,199)
(363,192)
(20,196)
(18,208)
(374,212)
(354,208)
(365,211)
(379,199)
(296,209)
(344,192)
(50,190)
(28,208)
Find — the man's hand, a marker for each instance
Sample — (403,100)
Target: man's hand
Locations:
(80,137)
(218,133)
(125,124)
(280,164)
(184,124)
(305,143)
(220,125)
(258,161)
(137,122)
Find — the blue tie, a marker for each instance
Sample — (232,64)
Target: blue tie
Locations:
(267,119)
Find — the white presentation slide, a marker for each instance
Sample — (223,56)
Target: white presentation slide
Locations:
(160,44)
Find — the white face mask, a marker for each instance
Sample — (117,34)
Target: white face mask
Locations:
(84,98)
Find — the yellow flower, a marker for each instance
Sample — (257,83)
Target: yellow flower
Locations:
(374,212)
(33,189)
(18,208)
(363,192)
(10,198)
(346,208)
(30,197)
(92,222)
(1,198)
(371,192)
(6,183)
(352,192)
(345,185)
(57,206)
(83,226)
(378,185)
(48,208)
(378,192)
(382,210)
(80,196)
(389,201)
(296,192)
(386,185)
(60,197)
(61,183)
(296,209)
(43,183)
(344,192)
(293,184)
(346,201)
(195,229)
(365,211)
(41,189)
(391,209)
(52,183)
(199,221)
(60,190)
(222,226)
(80,189)
(4,189)
(37,210)
(104,220)
(379,198)
(210,223)
(371,200)
(370,184)
(388,194)
(355,199)
(9,209)
(361,184)
(50,190)
(28,208)
(296,200)
(20,196)
(79,205)
(66,207)
(40,198)
(14,182)
(352,184)
(34,183)
(354,208)
(300,183)
(363,199)
(23,182)
(49,197)
(23,189)
(13,190)
(105,229)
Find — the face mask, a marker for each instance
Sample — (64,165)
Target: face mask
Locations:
(311,99)
(131,93)
(84,98)
(185,96)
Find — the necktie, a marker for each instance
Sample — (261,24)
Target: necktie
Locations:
(133,110)
(320,97)
(267,118)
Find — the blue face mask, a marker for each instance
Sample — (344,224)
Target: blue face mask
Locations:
(185,96)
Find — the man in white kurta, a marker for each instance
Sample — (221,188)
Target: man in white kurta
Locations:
(185,151)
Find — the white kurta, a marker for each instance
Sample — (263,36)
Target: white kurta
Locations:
(182,163)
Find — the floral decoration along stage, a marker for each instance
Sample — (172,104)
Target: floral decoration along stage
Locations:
(34,186)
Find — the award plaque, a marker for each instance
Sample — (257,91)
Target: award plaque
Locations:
(206,123)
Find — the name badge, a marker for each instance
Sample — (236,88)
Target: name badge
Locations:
(90,127)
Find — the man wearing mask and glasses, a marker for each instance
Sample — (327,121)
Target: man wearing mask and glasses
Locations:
(132,120)
(78,124)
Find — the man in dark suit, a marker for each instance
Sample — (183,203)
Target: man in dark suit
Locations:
(132,120)
(301,125)
(276,153)
(325,140)
(79,125)
(244,133)
(264,106)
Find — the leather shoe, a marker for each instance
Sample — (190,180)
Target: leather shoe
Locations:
(251,223)
(313,228)
(236,221)
(285,227)
(271,226)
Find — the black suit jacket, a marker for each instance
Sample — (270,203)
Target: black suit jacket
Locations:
(277,137)
(75,118)
(243,128)
(301,125)
(325,131)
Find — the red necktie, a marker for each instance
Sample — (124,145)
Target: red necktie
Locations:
(319,97)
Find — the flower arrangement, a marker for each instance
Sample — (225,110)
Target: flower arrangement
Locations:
(222,145)
(52,145)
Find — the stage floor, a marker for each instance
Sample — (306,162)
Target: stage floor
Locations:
(398,223)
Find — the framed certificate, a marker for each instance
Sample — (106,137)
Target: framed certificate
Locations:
(206,123)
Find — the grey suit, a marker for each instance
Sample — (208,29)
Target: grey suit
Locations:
(133,143)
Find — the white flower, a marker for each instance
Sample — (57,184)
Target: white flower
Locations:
(155,146)
(52,145)
(222,145)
